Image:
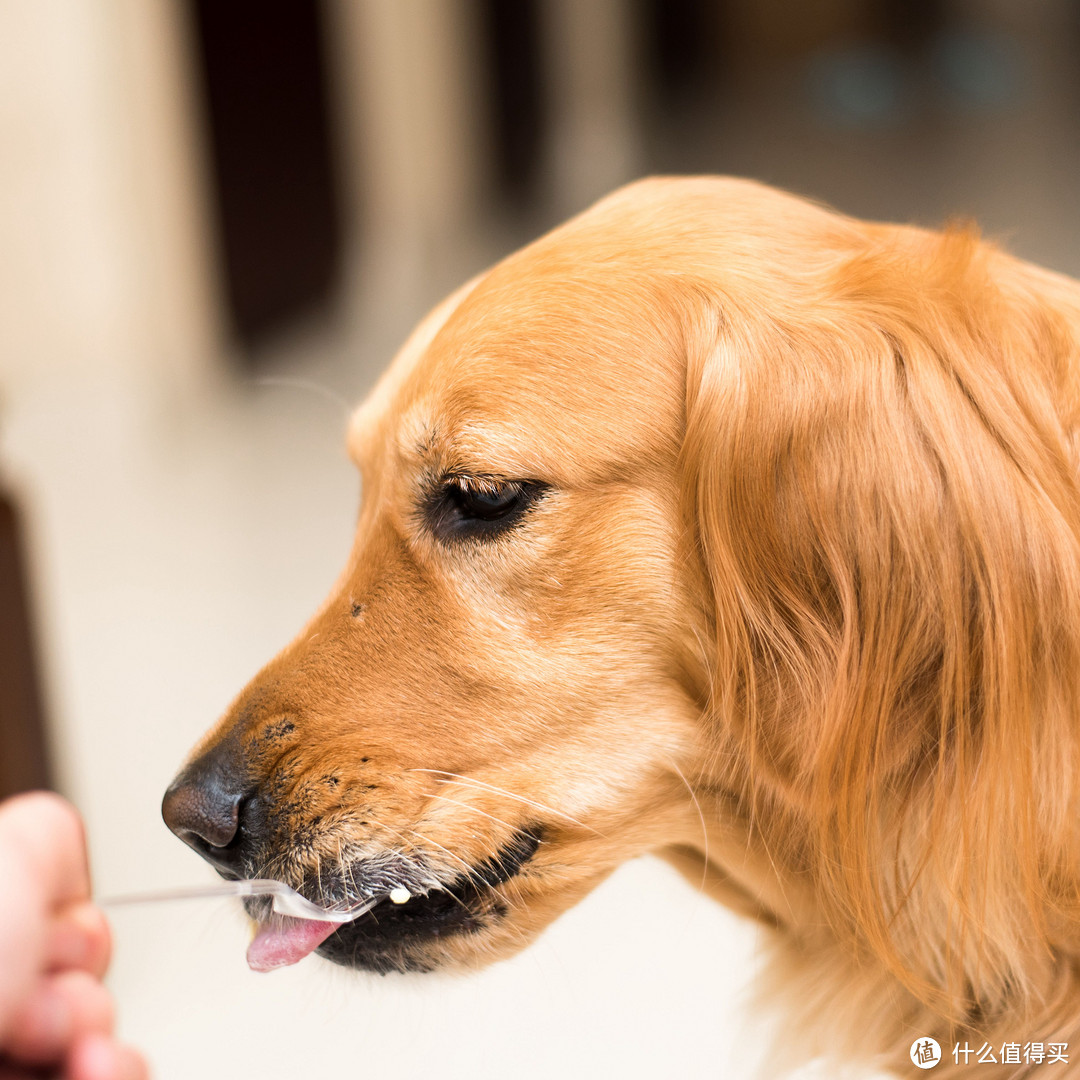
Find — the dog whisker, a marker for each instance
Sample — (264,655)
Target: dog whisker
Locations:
(513,902)
(475,810)
(469,872)
(427,840)
(389,828)
(405,857)
(510,795)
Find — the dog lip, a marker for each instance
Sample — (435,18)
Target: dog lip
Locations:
(507,862)
(384,939)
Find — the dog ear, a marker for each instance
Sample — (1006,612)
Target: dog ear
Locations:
(883,483)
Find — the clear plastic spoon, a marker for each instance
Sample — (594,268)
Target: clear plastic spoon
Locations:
(286,901)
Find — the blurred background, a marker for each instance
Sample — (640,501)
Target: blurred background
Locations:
(218,218)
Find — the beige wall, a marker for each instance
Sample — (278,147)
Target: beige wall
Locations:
(104,267)
(107,265)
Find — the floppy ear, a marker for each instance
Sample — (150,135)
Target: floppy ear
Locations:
(884,483)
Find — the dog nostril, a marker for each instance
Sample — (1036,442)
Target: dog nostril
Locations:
(205,807)
(204,812)
(202,805)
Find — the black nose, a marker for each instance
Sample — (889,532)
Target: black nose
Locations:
(204,806)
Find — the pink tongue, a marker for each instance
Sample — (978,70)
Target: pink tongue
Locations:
(282,941)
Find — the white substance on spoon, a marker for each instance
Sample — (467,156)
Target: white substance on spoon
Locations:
(400,895)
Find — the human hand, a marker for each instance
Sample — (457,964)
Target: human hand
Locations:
(56,1017)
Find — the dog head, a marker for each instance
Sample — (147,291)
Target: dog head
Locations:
(711,510)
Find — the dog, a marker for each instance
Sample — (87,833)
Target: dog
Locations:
(718,525)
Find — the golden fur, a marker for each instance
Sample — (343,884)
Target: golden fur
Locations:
(805,574)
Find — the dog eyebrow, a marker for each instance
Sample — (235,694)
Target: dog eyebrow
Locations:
(469,448)
(422,439)
(418,437)
(489,456)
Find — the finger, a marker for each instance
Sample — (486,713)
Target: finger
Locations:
(63,1009)
(23,927)
(47,832)
(42,866)
(98,1058)
(79,940)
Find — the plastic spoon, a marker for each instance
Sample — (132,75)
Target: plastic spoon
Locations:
(286,901)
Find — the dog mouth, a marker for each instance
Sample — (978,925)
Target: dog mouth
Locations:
(396,933)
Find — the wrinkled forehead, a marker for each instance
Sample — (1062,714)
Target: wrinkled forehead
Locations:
(563,373)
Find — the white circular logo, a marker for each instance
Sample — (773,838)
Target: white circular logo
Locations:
(925,1052)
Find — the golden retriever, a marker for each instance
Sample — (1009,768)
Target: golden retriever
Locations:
(719,525)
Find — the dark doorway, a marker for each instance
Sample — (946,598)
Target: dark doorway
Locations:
(265,81)
(514,89)
(23,758)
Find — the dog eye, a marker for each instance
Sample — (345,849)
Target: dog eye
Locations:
(487,503)
(467,506)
